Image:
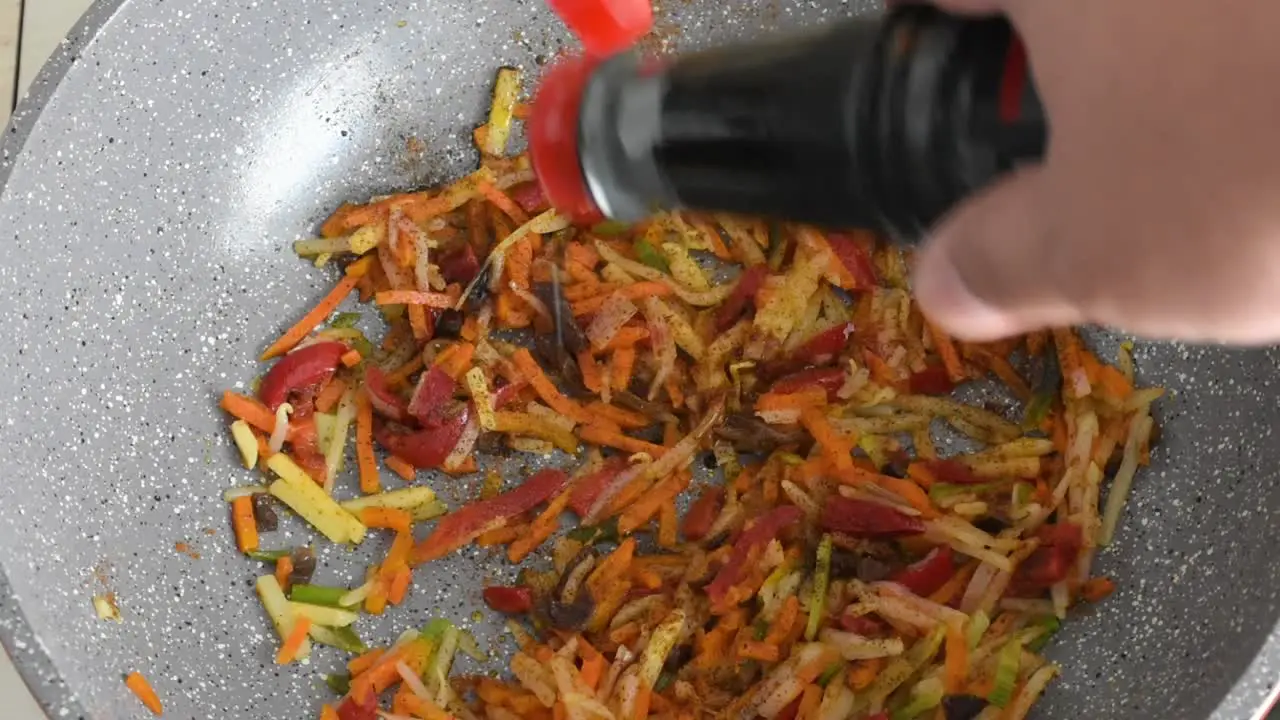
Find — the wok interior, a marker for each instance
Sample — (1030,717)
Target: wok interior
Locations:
(179,268)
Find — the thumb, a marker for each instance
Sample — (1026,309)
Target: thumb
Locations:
(986,272)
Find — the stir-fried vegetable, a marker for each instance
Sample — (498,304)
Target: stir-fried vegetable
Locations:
(836,566)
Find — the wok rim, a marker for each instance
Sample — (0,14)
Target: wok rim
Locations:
(34,664)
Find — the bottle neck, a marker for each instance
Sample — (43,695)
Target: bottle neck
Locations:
(866,123)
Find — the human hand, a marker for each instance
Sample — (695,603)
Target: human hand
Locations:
(1157,207)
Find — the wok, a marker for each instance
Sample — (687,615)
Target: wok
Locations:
(152,184)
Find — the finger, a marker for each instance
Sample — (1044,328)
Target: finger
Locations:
(991,269)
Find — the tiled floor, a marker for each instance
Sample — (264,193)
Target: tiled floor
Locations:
(29,31)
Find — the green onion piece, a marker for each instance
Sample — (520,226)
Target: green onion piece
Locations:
(343,638)
(435,631)
(1022,494)
(1051,624)
(267,556)
(761,629)
(606,532)
(941,492)
(821,578)
(978,624)
(830,673)
(649,255)
(583,534)
(609,228)
(925,696)
(1047,388)
(345,320)
(664,681)
(339,683)
(1006,679)
(362,345)
(317,595)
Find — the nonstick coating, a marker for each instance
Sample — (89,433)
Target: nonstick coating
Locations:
(153,183)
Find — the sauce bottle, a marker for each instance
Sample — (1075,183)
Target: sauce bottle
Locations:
(884,123)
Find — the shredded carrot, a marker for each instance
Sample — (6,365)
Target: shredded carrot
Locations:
(284,568)
(921,474)
(783,623)
(139,686)
(364,661)
(292,644)
(864,672)
(503,202)
(946,348)
(642,703)
(809,701)
(380,675)
(614,566)
(388,518)
(668,525)
(330,395)
(328,713)
(624,360)
(812,397)
(581,253)
(500,536)
(401,374)
(365,456)
(639,512)
(418,321)
(593,667)
(351,358)
(627,336)
(910,492)
(1097,589)
(322,310)
(635,291)
(398,554)
(440,301)
(424,708)
(956,669)
(756,650)
(401,467)
(246,528)
(713,238)
(599,434)
(251,411)
(592,376)
(543,527)
(520,263)
(458,361)
(546,390)
(951,588)
(376,601)
(837,448)
(1114,384)
(399,585)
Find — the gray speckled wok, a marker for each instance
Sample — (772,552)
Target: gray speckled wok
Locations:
(152,185)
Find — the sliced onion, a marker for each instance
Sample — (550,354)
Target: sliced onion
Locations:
(393,229)
(532,300)
(280,431)
(707,298)
(616,311)
(412,681)
(466,443)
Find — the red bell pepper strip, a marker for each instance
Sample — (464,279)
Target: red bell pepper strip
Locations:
(306,449)
(861,625)
(1053,560)
(749,283)
(432,397)
(507,394)
(460,266)
(930,573)
(765,528)
(855,259)
(509,600)
(587,488)
(426,448)
(826,345)
(704,511)
(933,380)
(300,370)
(830,379)
(384,400)
(791,710)
(471,521)
(353,709)
(953,472)
(865,519)
(529,197)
